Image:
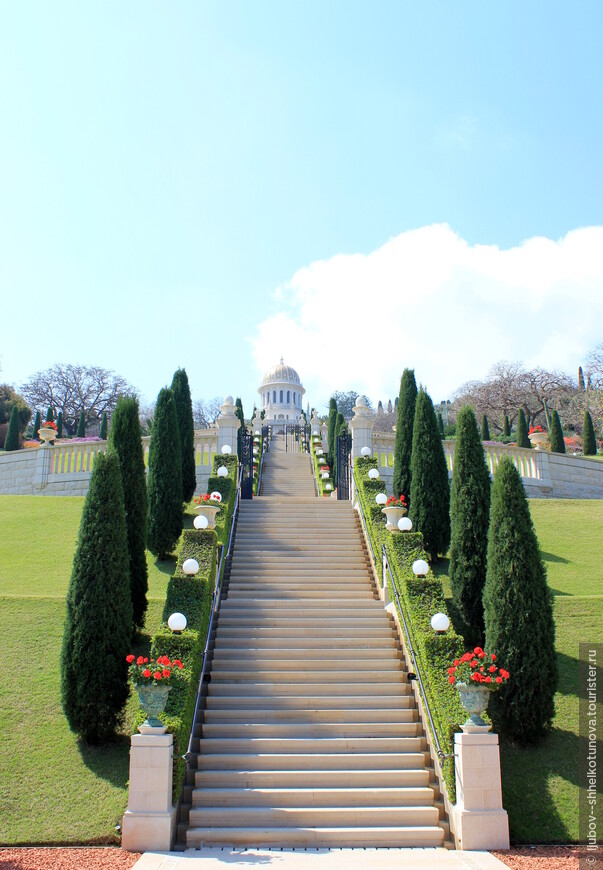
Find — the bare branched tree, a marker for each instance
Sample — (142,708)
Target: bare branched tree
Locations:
(73,389)
(206,411)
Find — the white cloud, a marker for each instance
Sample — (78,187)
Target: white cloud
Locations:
(430,301)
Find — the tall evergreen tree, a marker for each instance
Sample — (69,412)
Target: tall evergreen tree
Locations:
(522,430)
(81,426)
(441,424)
(485,429)
(239,413)
(104,426)
(11,442)
(339,423)
(506,426)
(331,432)
(429,488)
(126,440)
(37,425)
(186,427)
(164,483)
(589,442)
(556,434)
(581,379)
(60,425)
(96,637)
(518,613)
(404,434)
(50,414)
(469,520)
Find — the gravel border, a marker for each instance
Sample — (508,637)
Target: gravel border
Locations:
(540,857)
(67,858)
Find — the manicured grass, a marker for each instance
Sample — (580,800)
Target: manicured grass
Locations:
(54,789)
(540,784)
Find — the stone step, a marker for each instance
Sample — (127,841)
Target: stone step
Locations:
(294,670)
(257,689)
(315,779)
(309,730)
(347,620)
(258,591)
(312,796)
(317,837)
(303,606)
(389,761)
(353,715)
(328,816)
(224,654)
(310,746)
(306,702)
(314,634)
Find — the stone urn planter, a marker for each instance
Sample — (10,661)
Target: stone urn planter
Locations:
(538,440)
(47,434)
(152,702)
(474,699)
(209,512)
(392,515)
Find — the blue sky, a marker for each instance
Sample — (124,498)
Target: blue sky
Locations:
(215,185)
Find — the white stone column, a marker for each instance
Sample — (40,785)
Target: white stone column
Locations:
(315,424)
(361,426)
(257,422)
(480,822)
(149,821)
(42,469)
(228,425)
(324,433)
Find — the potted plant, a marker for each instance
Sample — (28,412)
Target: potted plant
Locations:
(538,437)
(208,506)
(48,431)
(394,510)
(474,676)
(152,681)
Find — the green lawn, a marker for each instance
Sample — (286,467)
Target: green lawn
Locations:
(54,789)
(540,785)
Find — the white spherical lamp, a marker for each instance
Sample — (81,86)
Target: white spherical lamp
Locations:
(440,623)
(320,452)
(222,471)
(200,522)
(177,622)
(325,475)
(226,449)
(329,486)
(190,567)
(374,474)
(381,498)
(366,451)
(404,524)
(420,568)
(215,496)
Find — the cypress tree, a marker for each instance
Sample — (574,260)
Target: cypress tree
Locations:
(485,429)
(506,426)
(556,434)
(522,430)
(241,429)
(11,442)
(331,432)
(37,425)
(339,423)
(581,379)
(186,427)
(589,442)
(60,425)
(50,415)
(103,427)
(429,488)
(441,424)
(164,483)
(469,520)
(81,426)
(407,401)
(518,613)
(96,637)
(125,439)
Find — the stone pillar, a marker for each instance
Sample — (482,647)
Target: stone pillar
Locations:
(324,434)
(480,822)
(361,426)
(228,425)
(150,819)
(42,469)
(315,424)
(257,423)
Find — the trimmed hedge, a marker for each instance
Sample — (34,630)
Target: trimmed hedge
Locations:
(420,599)
(322,484)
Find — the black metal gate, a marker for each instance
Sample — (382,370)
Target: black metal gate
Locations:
(296,436)
(246,465)
(266,431)
(344,447)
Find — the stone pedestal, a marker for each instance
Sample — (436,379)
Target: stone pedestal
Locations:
(257,423)
(149,821)
(228,425)
(42,469)
(480,822)
(361,426)
(315,424)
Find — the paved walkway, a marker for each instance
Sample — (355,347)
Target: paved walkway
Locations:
(317,859)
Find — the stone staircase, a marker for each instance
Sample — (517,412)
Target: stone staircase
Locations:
(310,735)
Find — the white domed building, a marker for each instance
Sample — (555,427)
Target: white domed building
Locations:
(281,396)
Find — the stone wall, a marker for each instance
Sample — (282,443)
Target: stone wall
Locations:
(17,472)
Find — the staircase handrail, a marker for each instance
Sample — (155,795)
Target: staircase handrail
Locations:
(387,571)
(260,470)
(214,607)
